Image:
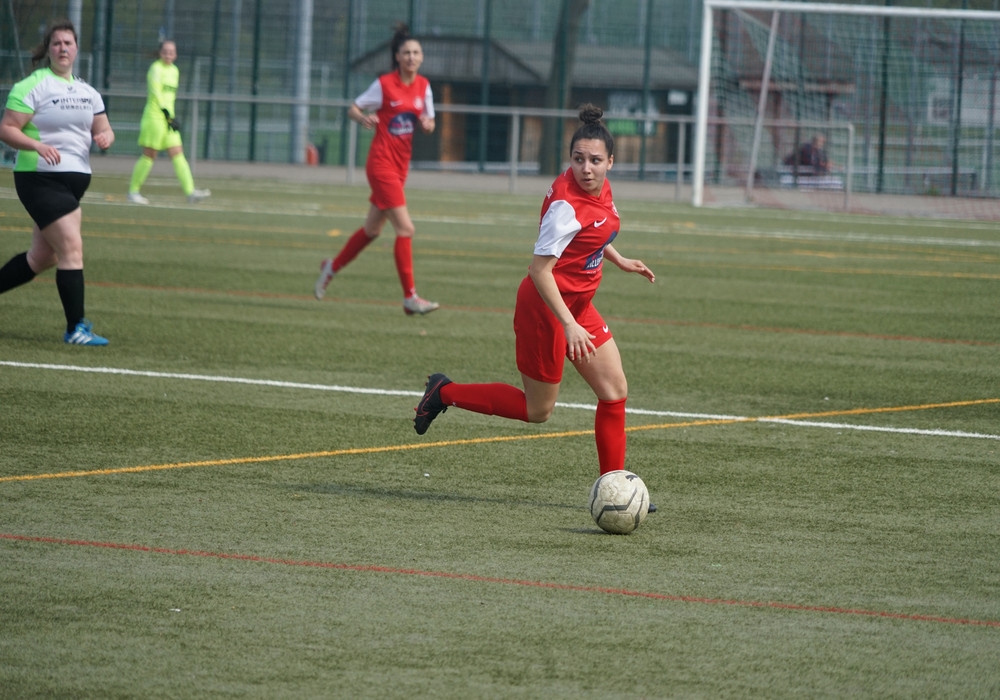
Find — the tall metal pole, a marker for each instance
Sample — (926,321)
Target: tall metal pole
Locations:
(883,103)
(75,14)
(234,59)
(957,118)
(255,78)
(303,80)
(758,127)
(96,45)
(108,20)
(216,17)
(701,109)
(168,12)
(646,97)
(484,89)
(345,122)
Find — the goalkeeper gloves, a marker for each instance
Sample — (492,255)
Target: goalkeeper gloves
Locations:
(172,123)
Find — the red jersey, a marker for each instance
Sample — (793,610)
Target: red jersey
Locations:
(399,108)
(576,227)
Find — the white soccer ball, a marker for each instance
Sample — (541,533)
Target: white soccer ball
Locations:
(619,502)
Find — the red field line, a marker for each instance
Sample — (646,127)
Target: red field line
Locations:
(373,568)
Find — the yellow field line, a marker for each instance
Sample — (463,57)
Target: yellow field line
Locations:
(482,441)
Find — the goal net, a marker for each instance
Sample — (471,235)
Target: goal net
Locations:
(813,101)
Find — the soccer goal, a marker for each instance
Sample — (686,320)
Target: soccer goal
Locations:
(799,97)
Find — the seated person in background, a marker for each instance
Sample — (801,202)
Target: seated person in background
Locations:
(812,156)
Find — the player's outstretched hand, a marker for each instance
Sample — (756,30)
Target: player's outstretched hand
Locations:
(638,267)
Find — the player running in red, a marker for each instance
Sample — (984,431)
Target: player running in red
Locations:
(554,317)
(394,105)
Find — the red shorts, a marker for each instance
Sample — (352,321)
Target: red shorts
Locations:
(387,189)
(541,340)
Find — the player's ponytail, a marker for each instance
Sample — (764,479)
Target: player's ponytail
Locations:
(593,128)
(401,34)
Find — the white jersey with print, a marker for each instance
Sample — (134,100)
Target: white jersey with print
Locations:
(62,115)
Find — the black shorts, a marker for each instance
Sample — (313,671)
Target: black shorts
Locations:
(50,196)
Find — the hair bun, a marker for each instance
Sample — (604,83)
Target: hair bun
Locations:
(591,114)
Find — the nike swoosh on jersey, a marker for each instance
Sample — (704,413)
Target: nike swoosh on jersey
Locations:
(395,103)
(598,224)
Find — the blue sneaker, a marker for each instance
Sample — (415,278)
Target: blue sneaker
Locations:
(82,335)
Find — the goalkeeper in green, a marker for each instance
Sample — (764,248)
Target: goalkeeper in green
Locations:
(159,129)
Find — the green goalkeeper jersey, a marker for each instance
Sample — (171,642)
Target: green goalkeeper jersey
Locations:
(161,84)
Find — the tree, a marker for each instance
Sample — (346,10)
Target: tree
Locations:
(557,94)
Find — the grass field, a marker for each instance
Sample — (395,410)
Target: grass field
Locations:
(230,499)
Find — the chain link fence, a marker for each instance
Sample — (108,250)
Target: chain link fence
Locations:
(272,79)
(270,82)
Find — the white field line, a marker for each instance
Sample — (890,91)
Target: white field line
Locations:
(211,378)
(400,392)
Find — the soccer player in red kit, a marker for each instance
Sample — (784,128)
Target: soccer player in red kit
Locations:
(395,106)
(554,317)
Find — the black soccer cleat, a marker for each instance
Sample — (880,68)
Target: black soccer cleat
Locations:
(651,508)
(431,404)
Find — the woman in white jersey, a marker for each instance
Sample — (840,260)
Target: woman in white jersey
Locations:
(51,119)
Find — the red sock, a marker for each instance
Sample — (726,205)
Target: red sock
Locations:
(498,399)
(609,431)
(358,241)
(403,251)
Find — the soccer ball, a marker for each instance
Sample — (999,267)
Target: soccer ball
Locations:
(619,502)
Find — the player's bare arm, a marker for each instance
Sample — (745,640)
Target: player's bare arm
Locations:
(580,343)
(101,131)
(11,133)
(369,121)
(628,264)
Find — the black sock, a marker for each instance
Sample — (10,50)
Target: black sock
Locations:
(15,273)
(70,286)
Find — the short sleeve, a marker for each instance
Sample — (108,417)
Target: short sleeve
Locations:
(371,99)
(429,102)
(557,229)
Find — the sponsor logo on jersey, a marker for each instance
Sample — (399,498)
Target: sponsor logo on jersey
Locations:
(72,102)
(595,259)
(403,124)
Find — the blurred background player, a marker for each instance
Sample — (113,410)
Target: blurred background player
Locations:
(394,105)
(554,317)
(159,129)
(51,119)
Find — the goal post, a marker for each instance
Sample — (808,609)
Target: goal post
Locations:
(856,98)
